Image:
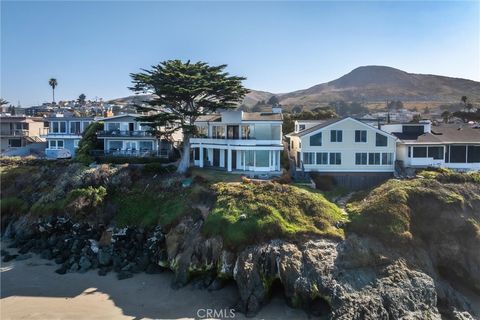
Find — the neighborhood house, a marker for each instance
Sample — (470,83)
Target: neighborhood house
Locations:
(239,141)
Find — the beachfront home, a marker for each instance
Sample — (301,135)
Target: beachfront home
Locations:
(124,135)
(18,131)
(421,145)
(64,134)
(343,146)
(239,141)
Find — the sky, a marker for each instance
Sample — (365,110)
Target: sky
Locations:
(91,47)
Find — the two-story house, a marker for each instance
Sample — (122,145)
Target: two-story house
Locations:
(18,131)
(421,145)
(343,145)
(64,134)
(239,141)
(124,135)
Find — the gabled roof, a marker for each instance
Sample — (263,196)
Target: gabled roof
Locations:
(209,118)
(133,115)
(337,120)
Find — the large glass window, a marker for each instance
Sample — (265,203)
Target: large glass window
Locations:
(250,158)
(435,152)
(63,127)
(374,158)
(276,135)
(219,132)
(381,140)
(387,158)
(146,145)
(316,139)
(419,152)
(322,157)
(335,158)
(473,154)
(458,154)
(247,132)
(309,158)
(301,127)
(113,126)
(75,127)
(115,145)
(336,135)
(361,158)
(360,135)
(55,127)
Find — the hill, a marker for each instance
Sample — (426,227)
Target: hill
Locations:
(370,84)
(379,83)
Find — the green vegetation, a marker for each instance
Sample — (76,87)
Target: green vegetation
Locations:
(387,211)
(249,212)
(148,209)
(13,205)
(158,168)
(130,160)
(89,142)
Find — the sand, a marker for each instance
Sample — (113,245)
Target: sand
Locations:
(30,289)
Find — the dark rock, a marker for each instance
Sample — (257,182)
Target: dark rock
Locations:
(124,275)
(4,253)
(62,270)
(84,264)
(153,269)
(102,271)
(216,284)
(74,267)
(9,257)
(104,256)
(46,254)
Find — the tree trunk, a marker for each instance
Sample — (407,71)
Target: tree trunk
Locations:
(184,163)
(53,95)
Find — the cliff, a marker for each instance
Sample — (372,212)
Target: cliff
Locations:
(407,249)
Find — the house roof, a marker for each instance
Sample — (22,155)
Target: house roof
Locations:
(315,128)
(209,118)
(446,133)
(134,115)
(333,121)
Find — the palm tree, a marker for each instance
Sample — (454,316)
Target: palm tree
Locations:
(3,102)
(53,83)
(446,116)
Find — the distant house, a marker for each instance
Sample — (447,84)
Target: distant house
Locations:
(19,131)
(64,134)
(421,145)
(239,141)
(124,135)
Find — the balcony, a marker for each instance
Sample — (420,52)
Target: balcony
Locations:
(238,142)
(14,133)
(124,133)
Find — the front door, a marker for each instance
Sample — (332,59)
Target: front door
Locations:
(233,132)
(131,126)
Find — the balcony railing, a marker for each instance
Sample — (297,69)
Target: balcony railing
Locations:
(123,133)
(163,153)
(14,132)
(244,142)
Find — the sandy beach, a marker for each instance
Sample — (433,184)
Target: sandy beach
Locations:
(30,289)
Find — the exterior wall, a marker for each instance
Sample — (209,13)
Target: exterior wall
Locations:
(68,148)
(348,147)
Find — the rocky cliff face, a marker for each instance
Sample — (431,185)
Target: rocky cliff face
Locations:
(357,278)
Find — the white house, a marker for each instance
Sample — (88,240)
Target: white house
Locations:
(239,141)
(421,145)
(124,135)
(343,145)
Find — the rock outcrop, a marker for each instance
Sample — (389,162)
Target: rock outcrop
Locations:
(357,278)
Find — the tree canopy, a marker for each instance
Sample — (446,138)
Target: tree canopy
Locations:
(183,91)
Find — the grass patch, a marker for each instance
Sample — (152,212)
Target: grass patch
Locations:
(215,176)
(387,211)
(249,212)
(149,209)
(13,205)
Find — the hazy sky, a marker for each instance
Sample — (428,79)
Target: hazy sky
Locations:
(91,47)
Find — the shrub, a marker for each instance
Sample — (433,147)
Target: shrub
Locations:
(158,168)
(13,205)
(90,195)
(131,160)
(89,142)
